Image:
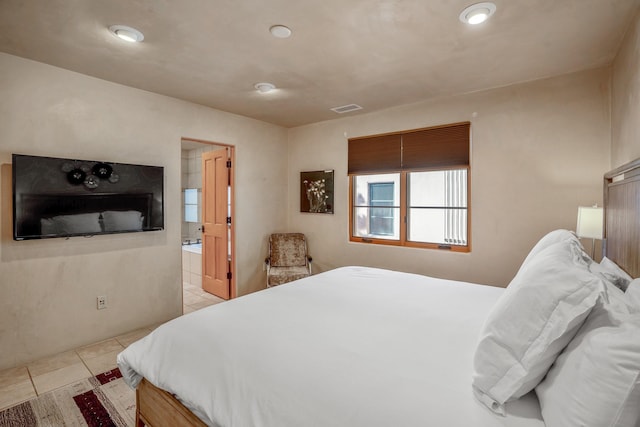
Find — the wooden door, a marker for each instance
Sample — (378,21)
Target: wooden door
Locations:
(216,274)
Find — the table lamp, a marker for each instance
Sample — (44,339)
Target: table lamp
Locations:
(590,224)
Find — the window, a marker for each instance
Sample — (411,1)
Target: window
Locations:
(191,205)
(381,218)
(411,188)
(378,206)
(437,207)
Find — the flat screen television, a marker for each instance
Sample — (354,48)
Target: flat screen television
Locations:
(55,197)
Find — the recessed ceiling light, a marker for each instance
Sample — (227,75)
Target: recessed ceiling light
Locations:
(264,87)
(280,31)
(477,13)
(125,33)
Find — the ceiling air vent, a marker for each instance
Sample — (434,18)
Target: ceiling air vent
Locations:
(346,108)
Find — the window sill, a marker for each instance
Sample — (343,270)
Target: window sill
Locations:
(419,245)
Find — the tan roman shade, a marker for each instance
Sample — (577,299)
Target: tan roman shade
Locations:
(436,147)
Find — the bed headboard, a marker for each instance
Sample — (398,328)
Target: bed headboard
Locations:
(622,217)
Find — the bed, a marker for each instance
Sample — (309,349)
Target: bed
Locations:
(359,346)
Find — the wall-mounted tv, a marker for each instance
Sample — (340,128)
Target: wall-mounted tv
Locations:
(55,197)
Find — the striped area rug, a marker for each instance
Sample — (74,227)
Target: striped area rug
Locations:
(103,400)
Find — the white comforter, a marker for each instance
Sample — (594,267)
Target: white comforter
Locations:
(352,347)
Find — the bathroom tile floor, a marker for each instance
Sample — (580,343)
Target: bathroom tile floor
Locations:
(195,298)
(22,383)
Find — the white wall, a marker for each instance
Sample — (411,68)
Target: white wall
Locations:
(539,150)
(625,99)
(48,288)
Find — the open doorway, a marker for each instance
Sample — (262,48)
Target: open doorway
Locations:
(207,228)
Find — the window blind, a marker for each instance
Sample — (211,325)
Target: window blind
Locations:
(375,154)
(436,147)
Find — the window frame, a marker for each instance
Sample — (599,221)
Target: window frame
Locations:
(370,188)
(196,204)
(403,240)
(436,148)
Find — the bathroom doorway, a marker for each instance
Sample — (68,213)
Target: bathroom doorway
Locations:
(205,260)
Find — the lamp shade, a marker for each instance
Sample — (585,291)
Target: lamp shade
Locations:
(589,222)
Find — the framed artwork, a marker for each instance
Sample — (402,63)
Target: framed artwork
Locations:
(316,191)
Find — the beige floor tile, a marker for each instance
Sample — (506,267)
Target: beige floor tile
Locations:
(13,376)
(197,291)
(155,325)
(16,393)
(189,298)
(104,362)
(128,338)
(211,297)
(187,310)
(99,348)
(60,377)
(201,304)
(191,288)
(17,386)
(53,363)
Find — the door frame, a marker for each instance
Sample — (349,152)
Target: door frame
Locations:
(232,235)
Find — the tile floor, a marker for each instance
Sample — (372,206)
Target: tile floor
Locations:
(26,382)
(195,298)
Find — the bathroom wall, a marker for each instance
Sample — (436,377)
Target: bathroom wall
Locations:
(192,178)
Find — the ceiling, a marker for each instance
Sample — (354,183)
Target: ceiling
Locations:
(374,53)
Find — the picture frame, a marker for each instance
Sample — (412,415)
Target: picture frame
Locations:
(316,191)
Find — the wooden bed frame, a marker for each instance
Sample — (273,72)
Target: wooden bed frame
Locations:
(157,408)
(622,217)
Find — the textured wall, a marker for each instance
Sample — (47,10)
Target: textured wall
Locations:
(625,99)
(539,150)
(48,288)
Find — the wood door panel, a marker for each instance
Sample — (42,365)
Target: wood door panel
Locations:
(215,264)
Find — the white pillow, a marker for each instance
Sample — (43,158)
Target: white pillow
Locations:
(88,223)
(615,296)
(632,295)
(596,379)
(549,239)
(534,319)
(611,272)
(122,220)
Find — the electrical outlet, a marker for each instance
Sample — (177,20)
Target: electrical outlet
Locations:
(102,302)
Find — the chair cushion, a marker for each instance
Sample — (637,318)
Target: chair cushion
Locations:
(288,249)
(280,275)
